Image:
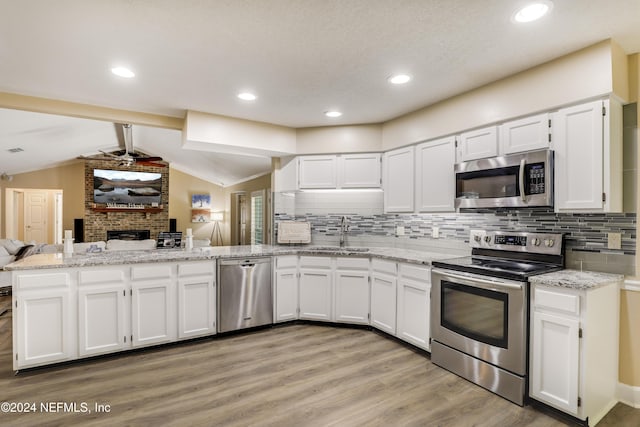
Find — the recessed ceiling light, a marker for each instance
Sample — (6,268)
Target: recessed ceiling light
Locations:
(399,79)
(247,96)
(123,72)
(332,113)
(533,11)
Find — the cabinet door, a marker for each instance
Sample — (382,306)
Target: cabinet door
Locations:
(527,134)
(413,312)
(555,361)
(317,172)
(196,306)
(398,180)
(152,312)
(359,170)
(43,327)
(435,179)
(578,145)
(383,302)
(352,297)
(101,318)
(315,294)
(286,295)
(479,143)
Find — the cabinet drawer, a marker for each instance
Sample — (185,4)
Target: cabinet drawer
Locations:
(196,269)
(415,272)
(558,301)
(34,281)
(352,263)
(151,272)
(382,266)
(315,262)
(101,276)
(287,261)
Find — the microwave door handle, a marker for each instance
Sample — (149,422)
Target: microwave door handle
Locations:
(522,195)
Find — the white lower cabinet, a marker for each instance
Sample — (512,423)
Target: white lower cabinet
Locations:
(153,314)
(314,288)
(351,290)
(383,295)
(285,289)
(44,310)
(196,299)
(413,311)
(571,365)
(102,311)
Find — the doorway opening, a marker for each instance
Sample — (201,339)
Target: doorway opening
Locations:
(33,214)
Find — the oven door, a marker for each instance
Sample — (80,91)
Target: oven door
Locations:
(481,316)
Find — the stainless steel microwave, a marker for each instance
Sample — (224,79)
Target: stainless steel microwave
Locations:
(516,180)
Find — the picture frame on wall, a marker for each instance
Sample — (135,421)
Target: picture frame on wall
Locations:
(200,215)
(201,201)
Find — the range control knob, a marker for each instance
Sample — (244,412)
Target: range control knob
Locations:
(535,241)
(549,242)
(477,238)
(487,239)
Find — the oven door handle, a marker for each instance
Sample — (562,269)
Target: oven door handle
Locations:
(495,284)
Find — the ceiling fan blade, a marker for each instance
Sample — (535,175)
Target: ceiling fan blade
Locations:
(151,163)
(111,156)
(148,159)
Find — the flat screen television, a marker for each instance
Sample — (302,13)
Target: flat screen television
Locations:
(127,187)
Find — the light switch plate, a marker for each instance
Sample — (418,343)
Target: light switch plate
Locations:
(400,230)
(435,232)
(614,240)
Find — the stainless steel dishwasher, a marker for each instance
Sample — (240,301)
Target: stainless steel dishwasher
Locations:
(244,293)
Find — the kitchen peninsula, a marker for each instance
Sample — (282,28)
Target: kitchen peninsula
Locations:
(72,307)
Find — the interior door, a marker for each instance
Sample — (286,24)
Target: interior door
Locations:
(35,216)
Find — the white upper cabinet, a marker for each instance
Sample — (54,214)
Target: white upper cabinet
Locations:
(317,171)
(435,181)
(527,134)
(587,141)
(478,144)
(398,180)
(359,170)
(336,171)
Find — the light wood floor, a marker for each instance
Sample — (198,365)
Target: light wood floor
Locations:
(294,375)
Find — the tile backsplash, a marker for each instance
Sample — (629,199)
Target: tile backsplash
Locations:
(585,234)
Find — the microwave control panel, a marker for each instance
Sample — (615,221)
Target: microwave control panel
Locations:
(535,178)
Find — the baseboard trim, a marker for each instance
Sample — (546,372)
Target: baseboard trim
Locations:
(629,395)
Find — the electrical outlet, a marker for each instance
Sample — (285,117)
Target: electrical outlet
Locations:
(614,240)
(435,232)
(400,230)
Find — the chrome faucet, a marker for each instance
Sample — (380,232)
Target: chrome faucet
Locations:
(344,228)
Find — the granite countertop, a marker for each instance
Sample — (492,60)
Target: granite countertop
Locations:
(59,260)
(576,279)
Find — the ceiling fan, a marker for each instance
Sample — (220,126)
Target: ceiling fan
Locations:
(128,156)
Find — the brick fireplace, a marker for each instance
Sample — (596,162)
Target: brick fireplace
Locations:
(98,220)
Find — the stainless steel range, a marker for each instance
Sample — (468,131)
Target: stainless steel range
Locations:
(480,308)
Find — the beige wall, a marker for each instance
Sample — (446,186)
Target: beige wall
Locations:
(212,132)
(629,368)
(181,187)
(575,77)
(69,179)
(339,139)
(259,183)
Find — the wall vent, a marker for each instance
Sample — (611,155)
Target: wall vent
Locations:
(15,150)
